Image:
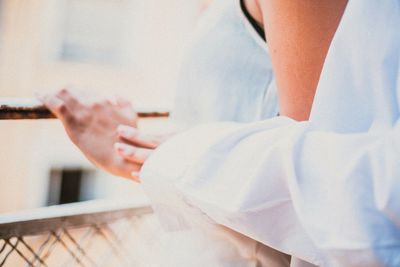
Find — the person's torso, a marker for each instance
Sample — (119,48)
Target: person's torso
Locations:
(226,73)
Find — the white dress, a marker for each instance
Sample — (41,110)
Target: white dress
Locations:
(326,191)
(216,83)
(226,73)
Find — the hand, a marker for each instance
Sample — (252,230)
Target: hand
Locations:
(135,147)
(91,125)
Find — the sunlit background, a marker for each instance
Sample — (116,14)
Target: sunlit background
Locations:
(125,47)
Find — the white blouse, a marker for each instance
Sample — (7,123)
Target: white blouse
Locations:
(326,191)
(226,73)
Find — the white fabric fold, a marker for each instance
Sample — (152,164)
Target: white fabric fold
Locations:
(320,196)
(326,191)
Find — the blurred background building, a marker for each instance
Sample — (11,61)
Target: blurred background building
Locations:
(125,47)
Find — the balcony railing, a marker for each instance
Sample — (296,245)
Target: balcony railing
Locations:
(94,233)
(16,109)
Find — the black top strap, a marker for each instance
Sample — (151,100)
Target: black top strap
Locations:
(252,21)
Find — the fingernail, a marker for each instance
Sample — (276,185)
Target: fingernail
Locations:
(125,130)
(135,174)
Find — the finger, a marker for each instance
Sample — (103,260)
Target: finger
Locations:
(68,97)
(58,107)
(53,103)
(126,107)
(133,136)
(131,153)
(122,102)
(129,170)
(136,176)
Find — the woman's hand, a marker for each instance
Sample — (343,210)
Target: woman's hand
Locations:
(92,127)
(135,147)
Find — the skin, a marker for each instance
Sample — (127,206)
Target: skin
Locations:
(299,33)
(104,130)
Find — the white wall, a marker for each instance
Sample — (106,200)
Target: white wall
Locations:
(154,32)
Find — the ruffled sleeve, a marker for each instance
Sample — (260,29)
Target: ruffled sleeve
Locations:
(320,196)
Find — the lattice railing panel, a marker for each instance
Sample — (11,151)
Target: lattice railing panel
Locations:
(75,235)
(96,244)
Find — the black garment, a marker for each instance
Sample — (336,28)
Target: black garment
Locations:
(252,21)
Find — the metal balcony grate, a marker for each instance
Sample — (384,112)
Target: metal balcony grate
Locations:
(85,237)
(81,234)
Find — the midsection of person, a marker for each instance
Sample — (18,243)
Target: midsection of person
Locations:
(226,73)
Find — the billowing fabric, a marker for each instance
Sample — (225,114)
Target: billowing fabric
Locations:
(326,190)
(226,75)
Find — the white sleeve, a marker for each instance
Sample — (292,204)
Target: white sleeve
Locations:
(331,199)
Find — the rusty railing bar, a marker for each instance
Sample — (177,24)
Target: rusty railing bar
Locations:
(22,109)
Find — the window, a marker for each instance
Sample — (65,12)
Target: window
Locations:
(93,31)
(69,185)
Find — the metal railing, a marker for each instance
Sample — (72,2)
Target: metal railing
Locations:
(17,109)
(94,233)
